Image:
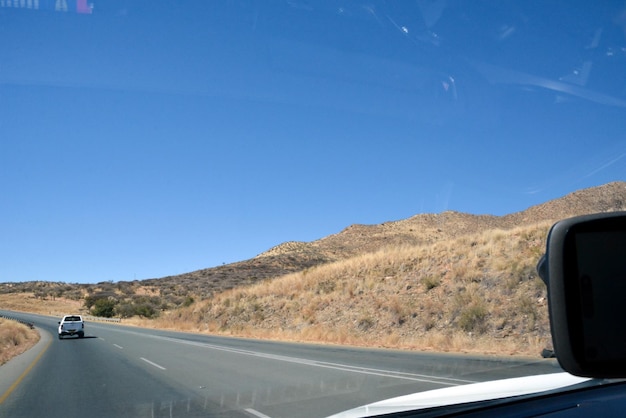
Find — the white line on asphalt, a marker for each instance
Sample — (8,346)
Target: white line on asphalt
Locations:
(119,346)
(449,381)
(256,413)
(152,363)
(336,366)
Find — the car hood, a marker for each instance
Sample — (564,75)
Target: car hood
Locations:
(495,389)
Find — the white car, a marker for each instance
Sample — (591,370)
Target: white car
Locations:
(72,325)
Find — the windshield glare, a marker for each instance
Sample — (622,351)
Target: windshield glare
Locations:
(191,142)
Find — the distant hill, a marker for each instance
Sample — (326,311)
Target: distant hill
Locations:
(421,229)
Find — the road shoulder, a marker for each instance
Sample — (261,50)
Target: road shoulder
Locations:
(13,371)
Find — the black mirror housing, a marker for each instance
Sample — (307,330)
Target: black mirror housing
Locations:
(584,269)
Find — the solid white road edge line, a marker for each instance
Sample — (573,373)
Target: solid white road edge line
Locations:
(256,413)
(152,363)
(448,381)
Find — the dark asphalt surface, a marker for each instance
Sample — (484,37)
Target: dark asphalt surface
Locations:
(118,371)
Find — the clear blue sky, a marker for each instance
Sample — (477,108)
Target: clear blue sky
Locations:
(151,138)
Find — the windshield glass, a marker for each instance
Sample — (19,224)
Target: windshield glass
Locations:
(372,180)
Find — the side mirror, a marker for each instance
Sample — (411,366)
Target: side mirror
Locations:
(584,269)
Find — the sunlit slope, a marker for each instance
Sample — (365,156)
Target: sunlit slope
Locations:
(465,293)
(423,229)
(463,282)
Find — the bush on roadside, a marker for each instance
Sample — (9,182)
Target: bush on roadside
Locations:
(472,318)
(104,308)
(146,310)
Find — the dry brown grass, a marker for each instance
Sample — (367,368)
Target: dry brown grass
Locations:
(15,338)
(27,302)
(477,293)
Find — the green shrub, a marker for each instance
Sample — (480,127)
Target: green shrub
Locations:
(125,310)
(146,310)
(188,301)
(104,308)
(430,282)
(472,318)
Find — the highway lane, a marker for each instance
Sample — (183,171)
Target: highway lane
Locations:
(127,371)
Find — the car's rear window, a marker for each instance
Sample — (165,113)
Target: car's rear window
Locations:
(72,318)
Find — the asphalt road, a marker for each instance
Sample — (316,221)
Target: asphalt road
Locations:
(118,371)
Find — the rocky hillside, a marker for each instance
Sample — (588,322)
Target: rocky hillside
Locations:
(452,282)
(421,229)
(477,292)
(431,228)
